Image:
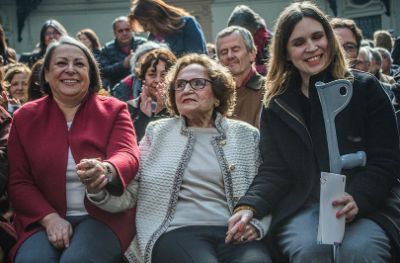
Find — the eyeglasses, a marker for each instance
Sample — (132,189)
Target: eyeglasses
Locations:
(53,33)
(350,47)
(196,84)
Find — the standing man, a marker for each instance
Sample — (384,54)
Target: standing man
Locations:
(116,54)
(236,50)
(349,35)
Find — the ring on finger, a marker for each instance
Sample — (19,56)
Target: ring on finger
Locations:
(87,179)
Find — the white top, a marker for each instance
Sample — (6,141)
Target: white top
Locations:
(75,189)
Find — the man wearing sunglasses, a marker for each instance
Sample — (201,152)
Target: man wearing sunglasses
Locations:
(116,54)
(236,50)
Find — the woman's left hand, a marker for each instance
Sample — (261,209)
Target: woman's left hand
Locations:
(250,234)
(92,174)
(237,226)
(349,209)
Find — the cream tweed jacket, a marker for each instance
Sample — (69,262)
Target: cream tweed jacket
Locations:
(164,153)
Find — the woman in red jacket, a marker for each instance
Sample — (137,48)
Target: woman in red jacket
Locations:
(53,139)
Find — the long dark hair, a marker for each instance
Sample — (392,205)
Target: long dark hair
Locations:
(92,36)
(7,53)
(163,17)
(281,71)
(54,24)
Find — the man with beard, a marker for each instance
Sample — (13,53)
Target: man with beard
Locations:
(236,50)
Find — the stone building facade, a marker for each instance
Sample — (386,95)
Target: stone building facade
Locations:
(212,14)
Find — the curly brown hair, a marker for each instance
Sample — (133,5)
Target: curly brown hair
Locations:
(223,84)
(152,58)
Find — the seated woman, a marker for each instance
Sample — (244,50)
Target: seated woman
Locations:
(130,87)
(150,106)
(72,131)
(16,84)
(193,169)
(294,148)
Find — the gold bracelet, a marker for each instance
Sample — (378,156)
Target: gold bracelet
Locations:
(244,207)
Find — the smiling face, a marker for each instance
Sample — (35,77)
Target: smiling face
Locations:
(307,48)
(68,74)
(196,105)
(19,87)
(232,53)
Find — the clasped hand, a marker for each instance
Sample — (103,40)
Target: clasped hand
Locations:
(92,174)
(239,228)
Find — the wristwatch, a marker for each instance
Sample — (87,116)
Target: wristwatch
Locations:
(109,173)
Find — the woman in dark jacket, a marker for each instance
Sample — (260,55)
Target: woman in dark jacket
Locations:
(294,148)
(51,30)
(168,24)
(150,106)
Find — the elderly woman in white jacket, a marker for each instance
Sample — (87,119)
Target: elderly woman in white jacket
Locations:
(193,170)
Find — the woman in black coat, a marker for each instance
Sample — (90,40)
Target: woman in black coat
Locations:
(294,148)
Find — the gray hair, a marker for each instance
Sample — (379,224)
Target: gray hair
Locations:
(94,72)
(247,37)
(384,53)
(119,19)
(143,49)
(245,17)
(367,51)
(376,56)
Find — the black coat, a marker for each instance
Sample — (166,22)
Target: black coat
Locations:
(295,153)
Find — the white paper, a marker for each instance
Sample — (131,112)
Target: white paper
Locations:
(330,228)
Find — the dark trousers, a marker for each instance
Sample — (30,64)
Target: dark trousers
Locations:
(92,241)
(206,244)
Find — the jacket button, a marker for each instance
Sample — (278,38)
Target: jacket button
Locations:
(232,167)
(222,142)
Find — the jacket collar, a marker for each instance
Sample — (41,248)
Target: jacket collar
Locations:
(220,123)
(256,82)
(288,108)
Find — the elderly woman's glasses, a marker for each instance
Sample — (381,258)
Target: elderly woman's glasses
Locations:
(196,84)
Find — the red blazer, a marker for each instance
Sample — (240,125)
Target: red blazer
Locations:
(38,148)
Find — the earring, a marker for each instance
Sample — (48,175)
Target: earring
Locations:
(216,103)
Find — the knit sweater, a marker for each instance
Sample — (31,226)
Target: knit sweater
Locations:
(165,151)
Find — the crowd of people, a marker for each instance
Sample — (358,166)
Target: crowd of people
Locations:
(172,149)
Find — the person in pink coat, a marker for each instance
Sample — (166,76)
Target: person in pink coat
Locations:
(60,145)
